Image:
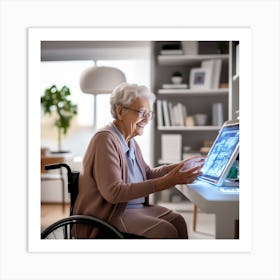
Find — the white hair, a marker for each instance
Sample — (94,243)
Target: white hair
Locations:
(124,94)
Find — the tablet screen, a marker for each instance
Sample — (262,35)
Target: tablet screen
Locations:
(222,154)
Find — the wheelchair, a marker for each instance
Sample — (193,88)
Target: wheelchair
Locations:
(63,228)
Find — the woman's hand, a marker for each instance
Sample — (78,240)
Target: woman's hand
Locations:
(179,175)
(193,161)
(182,175)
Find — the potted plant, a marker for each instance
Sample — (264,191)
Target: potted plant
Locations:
(177,77)
(55,101)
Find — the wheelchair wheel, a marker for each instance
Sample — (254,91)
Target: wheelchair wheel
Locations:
(64,228)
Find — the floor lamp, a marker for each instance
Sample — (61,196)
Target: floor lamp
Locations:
(100,80)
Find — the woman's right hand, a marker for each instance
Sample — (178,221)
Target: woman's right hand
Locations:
(178,176)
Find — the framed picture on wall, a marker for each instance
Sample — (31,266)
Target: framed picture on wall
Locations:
(200,78)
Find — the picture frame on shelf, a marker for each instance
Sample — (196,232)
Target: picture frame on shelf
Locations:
(200,78)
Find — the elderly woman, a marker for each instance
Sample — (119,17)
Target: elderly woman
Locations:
(115,180)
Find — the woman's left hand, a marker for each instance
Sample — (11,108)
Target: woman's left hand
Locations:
(193,162)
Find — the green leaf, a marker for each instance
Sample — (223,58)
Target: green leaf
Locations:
(57,101)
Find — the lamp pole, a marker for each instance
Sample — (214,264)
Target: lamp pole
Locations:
(94,112)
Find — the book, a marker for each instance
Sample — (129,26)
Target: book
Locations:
(176,115)
(215,67)
(180,113)
(166,116)
(171,148)
(175,86)
(174,90)
(217,114)
(184,115)
(159,113)
(171,114)
(171,52)
(217,73)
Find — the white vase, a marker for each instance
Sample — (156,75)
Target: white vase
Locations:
(176,80)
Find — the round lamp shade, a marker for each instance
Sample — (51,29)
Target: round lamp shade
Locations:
(98,80)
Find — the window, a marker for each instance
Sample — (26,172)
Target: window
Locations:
(68,73)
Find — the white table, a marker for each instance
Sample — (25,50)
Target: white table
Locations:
(211,199)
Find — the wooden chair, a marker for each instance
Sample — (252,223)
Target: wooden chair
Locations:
(58,176)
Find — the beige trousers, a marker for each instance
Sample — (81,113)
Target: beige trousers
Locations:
(152,221)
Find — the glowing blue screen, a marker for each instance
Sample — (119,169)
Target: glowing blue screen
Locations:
(221,152)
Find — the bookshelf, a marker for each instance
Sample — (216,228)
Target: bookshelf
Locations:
(193,101)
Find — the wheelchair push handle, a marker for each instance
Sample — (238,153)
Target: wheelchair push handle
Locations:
(58,165)
(52,166)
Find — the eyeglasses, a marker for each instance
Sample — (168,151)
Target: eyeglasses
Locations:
(142,113)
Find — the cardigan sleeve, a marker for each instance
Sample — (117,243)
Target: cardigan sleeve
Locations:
(110,172)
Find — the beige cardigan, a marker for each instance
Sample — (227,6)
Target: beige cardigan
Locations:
(103,187)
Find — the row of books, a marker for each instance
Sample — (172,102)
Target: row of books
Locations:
(175,114)
(171,114)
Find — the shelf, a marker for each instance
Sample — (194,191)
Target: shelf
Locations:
(218,91)
(189,128)
(188,59)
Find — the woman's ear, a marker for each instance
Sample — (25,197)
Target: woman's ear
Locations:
(119,112)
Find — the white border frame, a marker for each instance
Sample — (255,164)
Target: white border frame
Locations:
(36,35)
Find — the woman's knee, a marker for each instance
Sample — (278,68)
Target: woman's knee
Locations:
(181,226)
(163,230)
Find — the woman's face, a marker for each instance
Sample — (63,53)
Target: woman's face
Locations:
(133,123)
